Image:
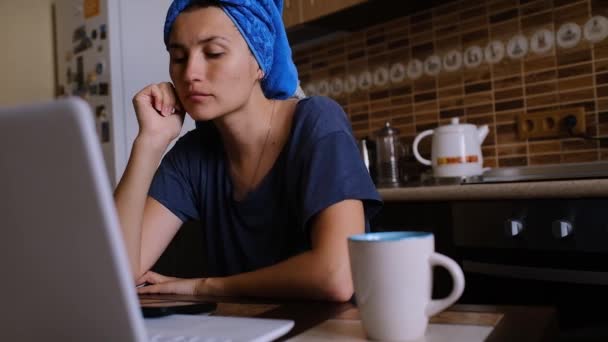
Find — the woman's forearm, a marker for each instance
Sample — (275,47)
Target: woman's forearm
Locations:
(131,193)
(320,273)
(310,275)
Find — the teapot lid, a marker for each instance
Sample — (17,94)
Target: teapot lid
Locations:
(387,130)
(455,126)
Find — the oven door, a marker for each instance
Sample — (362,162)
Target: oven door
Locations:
(542,251)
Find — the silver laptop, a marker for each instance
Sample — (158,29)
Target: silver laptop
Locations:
(64,269)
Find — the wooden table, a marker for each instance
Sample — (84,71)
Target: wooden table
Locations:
(510,323)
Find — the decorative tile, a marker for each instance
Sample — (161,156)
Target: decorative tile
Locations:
(479,89)
(585,81)
(507,134)
(580,157)
(490,162)
(545,159)
(512,150)
(578,144)
(539,147)
(576,70)
(488,151)
(577,12)
(541,101)
(508,94)
(446,114)
(541,88)
(501,5)
(532,21)
(481,109)
(536,7)
(507,117)
(512,161)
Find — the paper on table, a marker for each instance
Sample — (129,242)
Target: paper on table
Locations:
(352,330)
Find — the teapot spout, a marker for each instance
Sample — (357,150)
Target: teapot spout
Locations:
(482,133)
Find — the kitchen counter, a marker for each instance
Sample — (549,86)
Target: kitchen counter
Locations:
(328,321)
(580,188)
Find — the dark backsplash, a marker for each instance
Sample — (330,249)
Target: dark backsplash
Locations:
(478,92)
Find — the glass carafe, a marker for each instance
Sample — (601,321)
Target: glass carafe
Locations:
(389,152)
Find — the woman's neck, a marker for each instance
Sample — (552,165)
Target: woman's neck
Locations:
(250,137)
(243,131)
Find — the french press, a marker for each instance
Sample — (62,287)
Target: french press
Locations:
(389,151)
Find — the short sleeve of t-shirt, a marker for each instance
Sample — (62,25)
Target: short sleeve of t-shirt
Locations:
(178,178)
(332,167)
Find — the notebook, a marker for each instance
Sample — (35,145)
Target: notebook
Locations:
(65,272)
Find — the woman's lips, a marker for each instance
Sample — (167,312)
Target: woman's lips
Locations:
(198,97)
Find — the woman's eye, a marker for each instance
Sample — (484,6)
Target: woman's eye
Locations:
(213,54)
(177,59)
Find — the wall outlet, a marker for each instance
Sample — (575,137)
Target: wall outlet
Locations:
(550,124)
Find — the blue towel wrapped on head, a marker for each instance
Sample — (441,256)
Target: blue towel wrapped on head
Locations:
(261,25)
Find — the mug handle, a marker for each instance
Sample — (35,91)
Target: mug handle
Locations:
(437,305)
(415,147)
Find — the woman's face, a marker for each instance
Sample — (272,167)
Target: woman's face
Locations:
(210,63)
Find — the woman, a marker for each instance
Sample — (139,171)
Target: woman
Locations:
(277,183)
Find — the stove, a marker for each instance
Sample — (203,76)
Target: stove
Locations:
(542,173)
(521,174)
(536,251)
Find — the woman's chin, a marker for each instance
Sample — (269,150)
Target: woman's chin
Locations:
(198,114)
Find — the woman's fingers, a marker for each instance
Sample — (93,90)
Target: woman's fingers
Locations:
(155,278)
(166,99)
(155,108)
(159,283)
(179,108)
(169,98)
(163,98)
(177,286)
(157,97)
(157,288)
(150,278)
(141,280)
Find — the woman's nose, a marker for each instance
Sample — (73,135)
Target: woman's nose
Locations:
(195,70)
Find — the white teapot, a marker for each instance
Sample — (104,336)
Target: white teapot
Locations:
(456,149)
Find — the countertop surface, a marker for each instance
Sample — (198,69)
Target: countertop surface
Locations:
(328,321)
(579,188)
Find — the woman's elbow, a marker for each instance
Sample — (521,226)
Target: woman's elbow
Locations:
(338,287)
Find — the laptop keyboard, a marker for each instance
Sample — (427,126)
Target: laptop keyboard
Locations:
(164,338)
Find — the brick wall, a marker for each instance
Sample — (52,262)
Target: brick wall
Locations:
(407,71)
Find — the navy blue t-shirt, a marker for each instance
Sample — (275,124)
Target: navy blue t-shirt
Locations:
(319,165)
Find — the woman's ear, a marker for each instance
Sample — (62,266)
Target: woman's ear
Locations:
(260,74)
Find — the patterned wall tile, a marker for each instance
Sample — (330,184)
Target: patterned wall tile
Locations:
(486,62)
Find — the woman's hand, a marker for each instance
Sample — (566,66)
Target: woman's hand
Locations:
(161,284)
(159,113)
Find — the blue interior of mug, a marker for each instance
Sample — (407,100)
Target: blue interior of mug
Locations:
(389,236)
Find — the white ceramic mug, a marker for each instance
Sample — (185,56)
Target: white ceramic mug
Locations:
(393,281)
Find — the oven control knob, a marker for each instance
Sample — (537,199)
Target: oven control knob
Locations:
(513,227)
(562,229)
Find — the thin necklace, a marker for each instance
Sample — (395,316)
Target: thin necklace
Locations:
(255,172)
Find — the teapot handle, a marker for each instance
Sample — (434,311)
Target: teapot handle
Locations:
(415,147)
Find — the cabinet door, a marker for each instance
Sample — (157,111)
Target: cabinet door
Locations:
(313,9)
(292,12)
